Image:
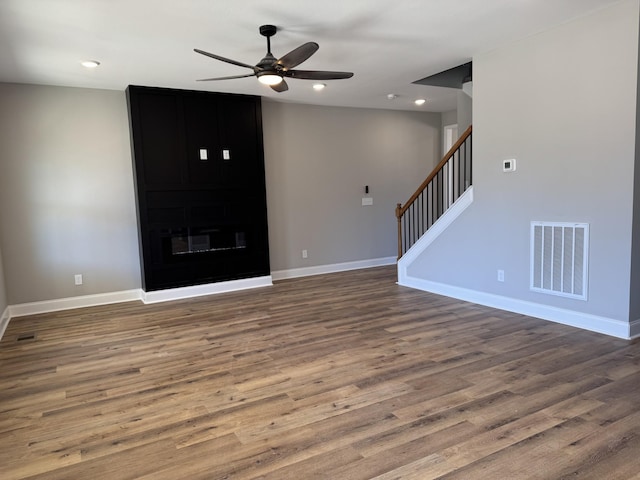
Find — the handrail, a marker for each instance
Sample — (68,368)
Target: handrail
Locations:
(435,171)
(442,187)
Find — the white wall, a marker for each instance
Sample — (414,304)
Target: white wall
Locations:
(563,103)
(318,161)
(66,193)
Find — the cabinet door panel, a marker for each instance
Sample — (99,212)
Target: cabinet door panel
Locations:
(204,155)
(239,135)
(161,146)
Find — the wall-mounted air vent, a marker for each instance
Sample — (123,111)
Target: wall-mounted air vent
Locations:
(559,257)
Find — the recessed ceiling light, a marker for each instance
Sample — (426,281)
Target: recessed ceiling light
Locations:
(319,86)
(90,63)
(420,101)
(392,96)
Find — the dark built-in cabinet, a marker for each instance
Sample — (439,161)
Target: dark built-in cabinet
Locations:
(200,186)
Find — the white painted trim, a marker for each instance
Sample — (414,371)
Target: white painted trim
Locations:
(58,304)
(467,88)
(594,323)
(4,321)
(206,289)
(446,219)
(70,303)
(449,137)
(332,268)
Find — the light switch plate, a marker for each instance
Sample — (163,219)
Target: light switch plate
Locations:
(203,154)
(226,155)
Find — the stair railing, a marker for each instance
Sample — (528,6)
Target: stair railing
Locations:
(448,180)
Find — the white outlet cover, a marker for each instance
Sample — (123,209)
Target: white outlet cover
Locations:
(509,165)
(367,201)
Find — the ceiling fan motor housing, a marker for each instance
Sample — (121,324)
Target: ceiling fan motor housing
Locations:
(268,62)
(268,30)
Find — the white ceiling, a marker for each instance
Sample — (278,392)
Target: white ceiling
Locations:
(387,43)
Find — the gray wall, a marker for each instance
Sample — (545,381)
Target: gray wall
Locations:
(318,161)
(449,118)
(634,306)
(66,193)
(67,202)
(3,290)
(563,103)
(464,111)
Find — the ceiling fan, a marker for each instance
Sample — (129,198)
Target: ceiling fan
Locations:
(272,71)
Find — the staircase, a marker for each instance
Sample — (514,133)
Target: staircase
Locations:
(448,181)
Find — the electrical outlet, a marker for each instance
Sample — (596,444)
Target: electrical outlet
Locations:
(305,254)
(501,275)
(78,279)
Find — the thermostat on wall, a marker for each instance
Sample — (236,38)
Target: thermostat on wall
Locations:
(509,165)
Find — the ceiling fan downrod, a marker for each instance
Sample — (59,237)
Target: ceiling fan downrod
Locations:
(268,31)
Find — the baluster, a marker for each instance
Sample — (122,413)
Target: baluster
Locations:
(449,180)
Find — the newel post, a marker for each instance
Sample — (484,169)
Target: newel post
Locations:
(399,217)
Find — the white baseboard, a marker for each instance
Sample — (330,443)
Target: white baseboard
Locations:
(58,304)
(46,306)
(594,323)
(55,305)
(206,289)
(608,326)
(332,268)
(4,321)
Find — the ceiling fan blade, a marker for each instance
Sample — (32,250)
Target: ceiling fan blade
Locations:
(298,55)
(280,87)
(226,78)
(223,59)
(317,74)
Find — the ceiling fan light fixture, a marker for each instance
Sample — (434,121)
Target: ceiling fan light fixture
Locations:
(270,79)
(90,63)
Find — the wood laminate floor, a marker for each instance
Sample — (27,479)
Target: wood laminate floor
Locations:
(341,376)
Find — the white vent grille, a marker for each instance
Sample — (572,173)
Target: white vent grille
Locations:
(559,255)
